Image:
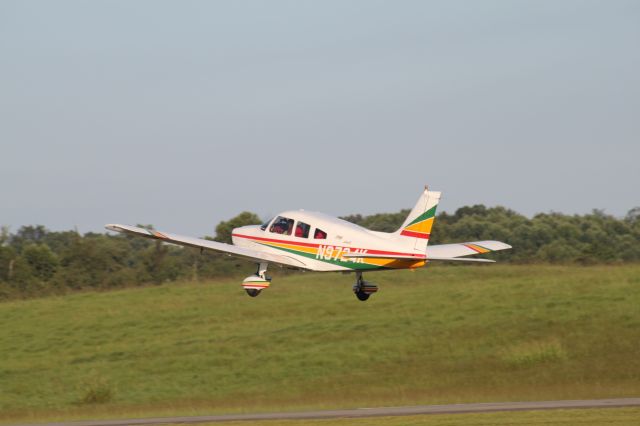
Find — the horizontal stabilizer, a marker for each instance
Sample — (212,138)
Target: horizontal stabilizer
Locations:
(448,251)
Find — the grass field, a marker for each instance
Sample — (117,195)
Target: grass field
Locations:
(439,335)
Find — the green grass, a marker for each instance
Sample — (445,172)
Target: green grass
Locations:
(438,335)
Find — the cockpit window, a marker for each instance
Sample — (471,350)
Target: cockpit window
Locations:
(264,225)
(302,230)
(320,234)
(282,225)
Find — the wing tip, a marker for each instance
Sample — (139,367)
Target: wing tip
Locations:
(493,245)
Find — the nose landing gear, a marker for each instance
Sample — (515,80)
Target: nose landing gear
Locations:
(363,289)
(254,284)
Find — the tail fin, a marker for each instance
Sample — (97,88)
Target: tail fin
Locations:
(417,226)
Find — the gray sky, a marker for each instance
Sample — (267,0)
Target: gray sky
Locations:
(184,113)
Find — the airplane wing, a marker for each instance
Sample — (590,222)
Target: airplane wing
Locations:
(455,252)
(229,249)
(450,252)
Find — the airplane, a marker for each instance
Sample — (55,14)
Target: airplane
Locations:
(312,241)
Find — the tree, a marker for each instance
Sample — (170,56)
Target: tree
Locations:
(4,235)
(383,222)
(7,260)
(42,261)
(58,242)
(633,215)
(98,261)
(28,234)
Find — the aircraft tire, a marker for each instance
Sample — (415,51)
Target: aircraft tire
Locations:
(362,296)
(252,292)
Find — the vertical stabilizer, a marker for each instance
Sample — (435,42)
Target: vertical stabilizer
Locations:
(417,226)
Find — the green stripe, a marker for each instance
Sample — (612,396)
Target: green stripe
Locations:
(350,265)
(424,216)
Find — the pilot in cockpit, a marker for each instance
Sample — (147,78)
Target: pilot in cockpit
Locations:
(282,226)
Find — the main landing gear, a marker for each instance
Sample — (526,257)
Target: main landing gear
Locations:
(363,289)
(254,284)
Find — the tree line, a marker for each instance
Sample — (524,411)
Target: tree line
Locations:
(35,261)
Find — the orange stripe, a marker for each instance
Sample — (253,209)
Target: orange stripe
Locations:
(477,248)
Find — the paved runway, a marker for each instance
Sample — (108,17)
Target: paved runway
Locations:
(370,412)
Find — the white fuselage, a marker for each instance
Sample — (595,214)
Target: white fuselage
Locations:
(323,243)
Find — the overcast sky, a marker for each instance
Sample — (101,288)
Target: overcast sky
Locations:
(181,114)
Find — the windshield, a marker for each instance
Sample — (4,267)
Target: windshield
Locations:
(264,225)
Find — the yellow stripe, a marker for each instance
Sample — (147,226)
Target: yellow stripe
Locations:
(311,250)
(424,226)
(480,249)
(394,263)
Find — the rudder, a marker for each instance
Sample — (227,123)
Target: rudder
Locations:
(418,224)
